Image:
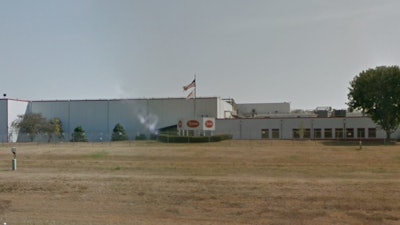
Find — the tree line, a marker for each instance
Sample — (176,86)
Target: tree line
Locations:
(34,124)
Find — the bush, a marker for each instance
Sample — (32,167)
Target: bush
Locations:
(140,137)
(119,133)
(79,135)
(193,139)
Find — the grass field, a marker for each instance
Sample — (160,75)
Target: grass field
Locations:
(231,182)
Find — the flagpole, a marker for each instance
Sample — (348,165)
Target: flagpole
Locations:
(194,101)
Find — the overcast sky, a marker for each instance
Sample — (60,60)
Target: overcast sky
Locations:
(303,52)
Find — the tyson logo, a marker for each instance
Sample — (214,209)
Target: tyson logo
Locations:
(209,123)
(192,123)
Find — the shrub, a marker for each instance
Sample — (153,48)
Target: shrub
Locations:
(193,139)
(119,133)
(140,137)
(79,135)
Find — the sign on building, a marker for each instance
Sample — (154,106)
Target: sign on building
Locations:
(201,124)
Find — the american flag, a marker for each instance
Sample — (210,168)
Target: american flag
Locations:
(187,87)
(191,95)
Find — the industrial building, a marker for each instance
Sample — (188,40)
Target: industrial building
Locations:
(153,115)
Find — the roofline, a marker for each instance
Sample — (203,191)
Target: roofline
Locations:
(13,99)
(293,117)
(119,99)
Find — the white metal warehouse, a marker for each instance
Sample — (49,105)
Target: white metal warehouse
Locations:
(147,116)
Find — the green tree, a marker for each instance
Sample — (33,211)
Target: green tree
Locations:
(79,135)
(377,93)
(119,133)
(53,129)
(58,127)
(31,124)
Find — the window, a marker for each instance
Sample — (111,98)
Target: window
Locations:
(307,133)
(317,133)
(360,132)
(372,132)
(350,133)
(302,133)
(275,133)
(265,133)
(339,133)
(328,132)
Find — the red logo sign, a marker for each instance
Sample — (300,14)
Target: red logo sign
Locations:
(180,124)
(192,123)
(209,123)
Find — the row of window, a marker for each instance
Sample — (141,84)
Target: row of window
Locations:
(323,133)
(274,134)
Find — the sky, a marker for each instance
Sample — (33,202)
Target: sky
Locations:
(254,51)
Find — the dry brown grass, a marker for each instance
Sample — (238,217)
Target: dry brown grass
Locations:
(232,182)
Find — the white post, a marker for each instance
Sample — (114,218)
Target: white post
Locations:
(14,164)
(14,161)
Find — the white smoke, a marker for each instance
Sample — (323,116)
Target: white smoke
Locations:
(140,110)
(149,121)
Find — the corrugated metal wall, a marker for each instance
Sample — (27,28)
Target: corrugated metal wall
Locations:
(144,116)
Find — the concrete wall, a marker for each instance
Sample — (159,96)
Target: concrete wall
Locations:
(9,111)
(3,120)
(225,110)
(253,128)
